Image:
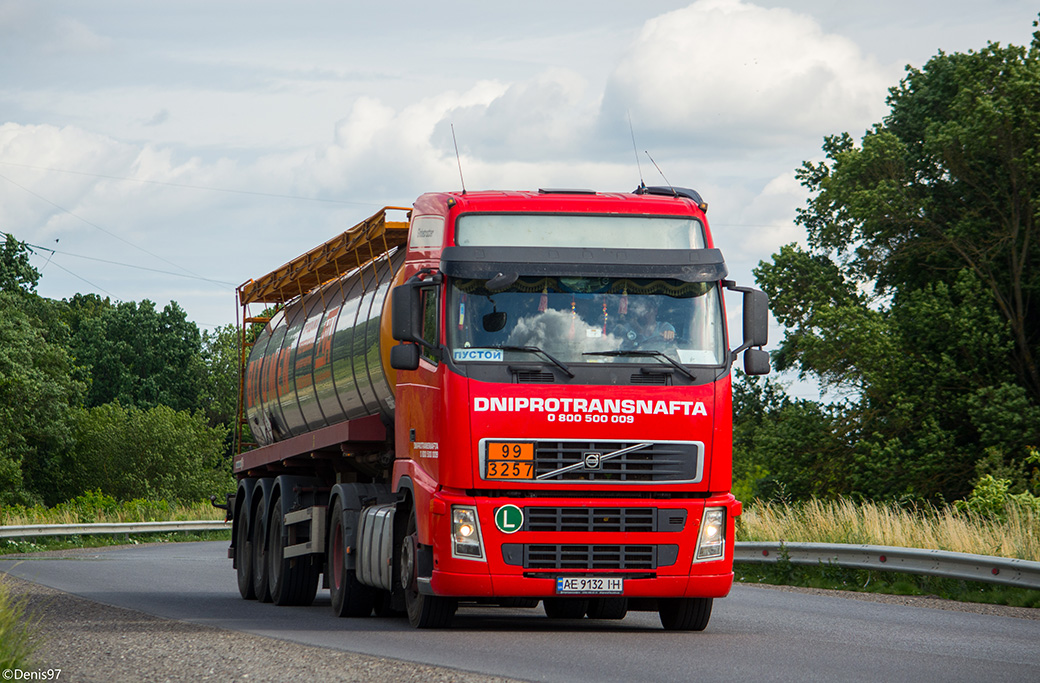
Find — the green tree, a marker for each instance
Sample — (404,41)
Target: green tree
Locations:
(219,396)
(919,296)
(785,448)
(138,355)
(37,391)
(17,274)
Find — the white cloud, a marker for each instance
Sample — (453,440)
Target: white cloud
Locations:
(31,28)
(732,72)
(543,118)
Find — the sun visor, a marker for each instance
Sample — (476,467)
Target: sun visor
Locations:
(688,265)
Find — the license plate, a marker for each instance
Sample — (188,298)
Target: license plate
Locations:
(509,460)
(585,585)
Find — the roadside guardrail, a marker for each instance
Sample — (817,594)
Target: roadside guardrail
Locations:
(1000,570)
(123,528)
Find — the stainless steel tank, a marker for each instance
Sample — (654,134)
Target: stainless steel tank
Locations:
(319,361)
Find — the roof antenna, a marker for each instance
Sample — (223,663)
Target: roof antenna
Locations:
(458,158)
(635,151)
(670,186)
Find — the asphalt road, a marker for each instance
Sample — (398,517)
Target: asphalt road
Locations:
(755,634)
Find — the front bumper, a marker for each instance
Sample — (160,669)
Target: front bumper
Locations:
(654,554)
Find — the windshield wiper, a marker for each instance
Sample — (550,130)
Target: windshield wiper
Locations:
(535,349)
(660,355)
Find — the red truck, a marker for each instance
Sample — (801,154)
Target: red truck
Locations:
(511,397)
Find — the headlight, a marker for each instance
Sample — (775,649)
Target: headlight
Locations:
(711,543)
(465,533)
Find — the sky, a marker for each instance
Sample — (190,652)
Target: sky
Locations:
(171,151)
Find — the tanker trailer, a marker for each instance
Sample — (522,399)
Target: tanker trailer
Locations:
(317,396)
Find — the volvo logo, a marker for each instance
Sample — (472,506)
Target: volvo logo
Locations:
(592,460)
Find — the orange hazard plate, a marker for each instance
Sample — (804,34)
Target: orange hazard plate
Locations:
(509,460)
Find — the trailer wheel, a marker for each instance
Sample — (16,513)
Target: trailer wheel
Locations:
(244,558)
(350,598)
(261,585)
(607,608)
(424,611)
(294,581)
(565,608)
(684,614)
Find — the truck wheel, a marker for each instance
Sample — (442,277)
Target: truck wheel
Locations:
(293,581)
(424,611)
(565,608)
(261,586)
(244,558)
(350,598)
(684,614)
(608,608)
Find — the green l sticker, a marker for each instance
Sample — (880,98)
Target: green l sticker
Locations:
(509,519)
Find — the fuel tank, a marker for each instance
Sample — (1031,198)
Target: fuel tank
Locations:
(324,357)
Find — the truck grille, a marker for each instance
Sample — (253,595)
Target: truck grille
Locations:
(603,520)
(589,557)
(660,461)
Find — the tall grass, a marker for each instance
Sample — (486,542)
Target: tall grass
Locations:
(1016,534)
(96,507)
(17,633)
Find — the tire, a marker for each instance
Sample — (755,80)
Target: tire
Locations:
(261,585)
(684,614)
(607,608)
(244,558)
(293,581)
(424,611)
(350,598)
(565,608)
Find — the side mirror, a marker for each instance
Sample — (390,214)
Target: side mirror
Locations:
(756,362)
(405,311)
(756,318)
(756,325)
(404,357)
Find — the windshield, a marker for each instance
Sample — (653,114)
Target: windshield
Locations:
(587,320)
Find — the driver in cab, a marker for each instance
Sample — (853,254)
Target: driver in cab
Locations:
(643,324)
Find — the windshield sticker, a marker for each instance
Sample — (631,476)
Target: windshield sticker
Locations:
(696,357)
(477,354)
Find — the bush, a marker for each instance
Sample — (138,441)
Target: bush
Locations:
(991,498)
(159,453)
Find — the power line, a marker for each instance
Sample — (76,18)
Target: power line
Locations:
(80,277)
(98,227)
(119,263)
(189,187)
(30,247)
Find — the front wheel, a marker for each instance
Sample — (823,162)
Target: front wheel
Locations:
(424,611)
(684,614)
(350,597)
